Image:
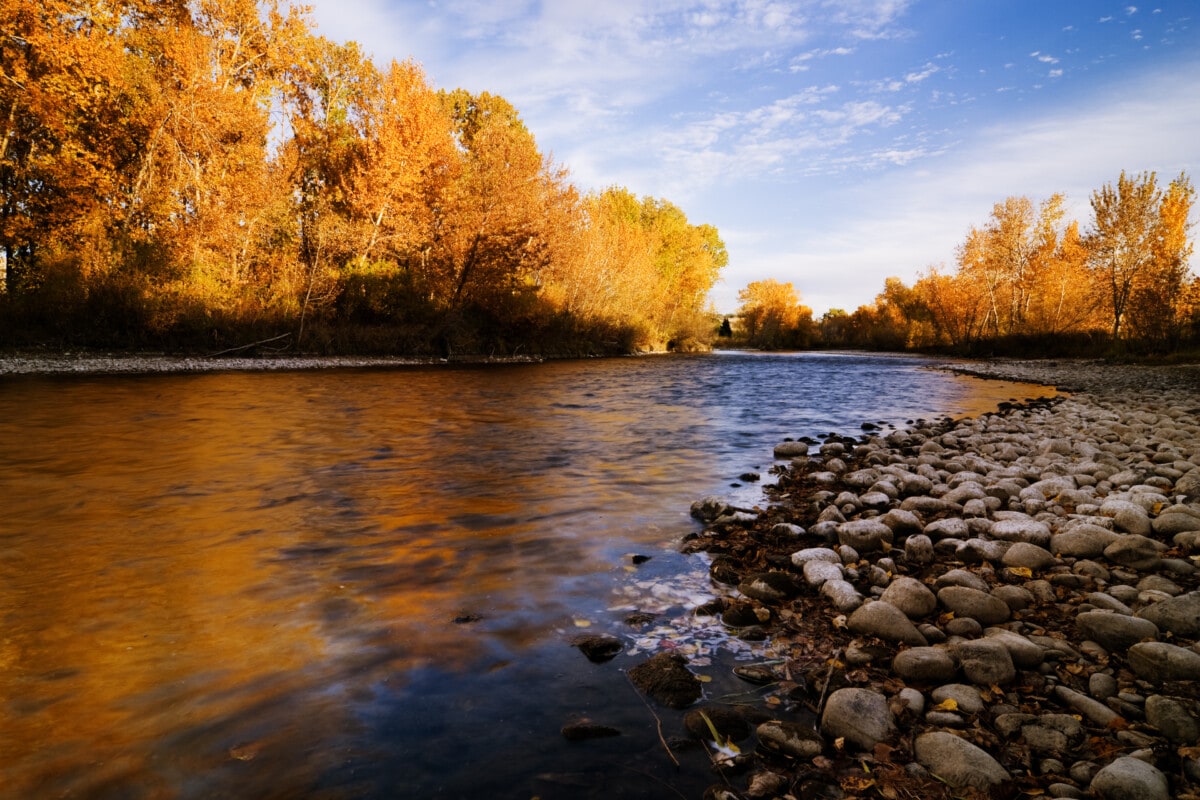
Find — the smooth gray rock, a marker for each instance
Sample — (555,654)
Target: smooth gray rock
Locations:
(985,662)
(980,606)
(1082,541)
(1177,519)
(1102,686)
(1130,778)
(910,596)
(1135,551)
(1015,597)
(802,557)
(924,665)
(1106,602)
(842,594)
(860,715)
(902,523)
(1022,530)
(960,577)
(957,761)
(1024,554)
(1172,718)
(1114,632)
(1127,516)
(887,622)
(865,535)
(817,572)
(791,449)
(1024,653)
(918,549)
(1189,485)
(1179,615)
(1095,711)
(967,697)
(1159,661)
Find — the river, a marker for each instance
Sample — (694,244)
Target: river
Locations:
(364,582)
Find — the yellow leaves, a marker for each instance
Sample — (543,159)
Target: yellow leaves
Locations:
(1024,572)
(949,704)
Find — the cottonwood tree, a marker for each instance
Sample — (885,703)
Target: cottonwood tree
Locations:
(1137,243)
(773,317)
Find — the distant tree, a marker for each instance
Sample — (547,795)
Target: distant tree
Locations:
(773,317)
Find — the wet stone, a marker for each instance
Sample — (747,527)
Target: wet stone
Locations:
(769,587)
(598,647)
(790,739)
(666,679)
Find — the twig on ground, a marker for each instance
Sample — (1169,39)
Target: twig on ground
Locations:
(657,721)
(239,348)
(828,677)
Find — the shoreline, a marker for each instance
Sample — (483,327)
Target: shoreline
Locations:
(999,605)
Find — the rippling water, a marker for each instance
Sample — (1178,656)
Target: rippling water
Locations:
(362,582)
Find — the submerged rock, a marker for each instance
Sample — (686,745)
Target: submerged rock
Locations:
(666,679)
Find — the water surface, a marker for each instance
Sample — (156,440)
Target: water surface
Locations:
(361,583)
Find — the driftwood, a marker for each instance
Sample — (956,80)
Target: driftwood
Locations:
(242,347)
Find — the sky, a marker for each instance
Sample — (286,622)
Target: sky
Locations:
(832,143)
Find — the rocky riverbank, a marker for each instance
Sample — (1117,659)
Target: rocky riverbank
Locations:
(990,607)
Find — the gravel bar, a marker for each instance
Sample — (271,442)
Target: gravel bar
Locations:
(994,607)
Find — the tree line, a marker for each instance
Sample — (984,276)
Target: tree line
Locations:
(204,173)
(1027,281)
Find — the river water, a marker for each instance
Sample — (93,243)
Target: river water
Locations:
(364,582)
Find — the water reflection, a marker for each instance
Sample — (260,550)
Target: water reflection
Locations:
(248,583)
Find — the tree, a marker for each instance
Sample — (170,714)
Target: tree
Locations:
(1159,305)
(1138,241)
(773,317)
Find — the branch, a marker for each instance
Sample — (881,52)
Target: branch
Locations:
(248,346)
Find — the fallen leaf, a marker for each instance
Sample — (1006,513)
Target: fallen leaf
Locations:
(949,704)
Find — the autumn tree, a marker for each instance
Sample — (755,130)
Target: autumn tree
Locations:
(1160,303)
(773,317)
(956,308)
(1138,245)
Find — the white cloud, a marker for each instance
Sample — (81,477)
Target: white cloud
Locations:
(922,74)
(900,222)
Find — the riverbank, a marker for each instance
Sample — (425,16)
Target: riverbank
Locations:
(122,364)
(996,606)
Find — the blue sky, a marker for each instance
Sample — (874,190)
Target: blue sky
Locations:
(833,143)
